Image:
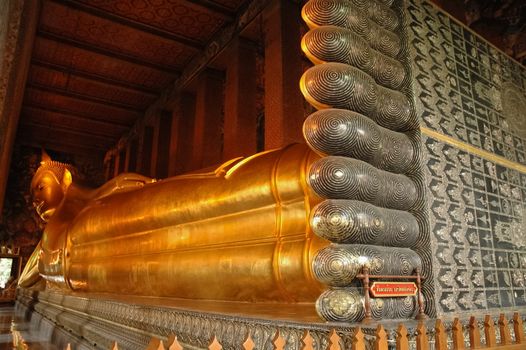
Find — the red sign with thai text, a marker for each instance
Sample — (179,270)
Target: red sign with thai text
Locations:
(393,289)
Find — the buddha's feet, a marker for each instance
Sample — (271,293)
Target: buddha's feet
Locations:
(367,131)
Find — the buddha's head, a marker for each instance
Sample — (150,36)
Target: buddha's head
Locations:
(49,185)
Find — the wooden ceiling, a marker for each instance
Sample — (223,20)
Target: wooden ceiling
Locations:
(97,65)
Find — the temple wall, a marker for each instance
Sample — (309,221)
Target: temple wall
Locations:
(17,29)
(10,14)
(4,18)
(471,101)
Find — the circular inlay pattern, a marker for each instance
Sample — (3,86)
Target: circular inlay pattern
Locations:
(346,14)
(348,221)
(336,44)
(347,305)
(346,178)
(339,85)
(341,305)
(346,133)
(338,264)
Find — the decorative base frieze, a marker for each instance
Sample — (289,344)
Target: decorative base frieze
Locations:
(100,322)
(96,323)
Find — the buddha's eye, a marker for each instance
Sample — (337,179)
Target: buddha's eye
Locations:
(40,187)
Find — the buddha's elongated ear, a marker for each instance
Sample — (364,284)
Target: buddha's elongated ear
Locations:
(67,179)
(45,157)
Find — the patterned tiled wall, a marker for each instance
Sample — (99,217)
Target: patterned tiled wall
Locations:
(472,104)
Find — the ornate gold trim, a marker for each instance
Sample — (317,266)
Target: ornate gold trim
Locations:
(474,150)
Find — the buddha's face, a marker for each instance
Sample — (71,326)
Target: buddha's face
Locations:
(47,194)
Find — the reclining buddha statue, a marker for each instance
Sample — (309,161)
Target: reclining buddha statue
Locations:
(295,224)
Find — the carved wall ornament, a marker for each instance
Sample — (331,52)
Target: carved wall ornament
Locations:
(477,199)
(513,233)
(513,107)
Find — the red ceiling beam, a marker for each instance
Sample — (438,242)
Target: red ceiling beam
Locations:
(86,116)
(214,7)
(97,100)
(71,122)
(78,106)
(97,78)
(58,132)
(101,51)
(131,23)
(58,146)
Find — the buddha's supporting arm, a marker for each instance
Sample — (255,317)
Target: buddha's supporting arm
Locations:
(30,274)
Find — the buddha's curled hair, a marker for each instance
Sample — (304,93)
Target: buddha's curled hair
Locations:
(55,167)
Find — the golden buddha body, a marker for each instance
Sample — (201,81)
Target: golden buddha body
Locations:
(295,224)
(236,233)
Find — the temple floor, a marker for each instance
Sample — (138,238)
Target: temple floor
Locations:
(14,330)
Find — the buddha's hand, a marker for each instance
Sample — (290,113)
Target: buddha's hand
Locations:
(367,131)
